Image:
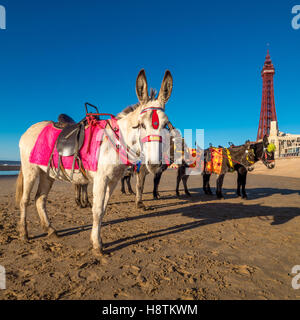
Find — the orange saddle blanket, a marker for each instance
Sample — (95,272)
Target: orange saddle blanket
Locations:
(214,160)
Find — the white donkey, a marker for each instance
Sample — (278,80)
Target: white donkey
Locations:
(142,128)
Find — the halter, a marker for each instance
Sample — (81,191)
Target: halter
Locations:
(264,157)
(155,125)
(247,157)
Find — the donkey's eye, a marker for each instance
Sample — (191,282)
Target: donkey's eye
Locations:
(143,126)
(166,127)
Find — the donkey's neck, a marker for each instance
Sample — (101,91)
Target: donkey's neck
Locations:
(127,124)
(258,150)
(238,154)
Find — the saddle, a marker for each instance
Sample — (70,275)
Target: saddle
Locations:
(71,140)
(69,143)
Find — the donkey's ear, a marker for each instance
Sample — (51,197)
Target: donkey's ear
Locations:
(142,87)
(265,141)
(166,88)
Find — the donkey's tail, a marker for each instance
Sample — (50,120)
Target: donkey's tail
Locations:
(19,187)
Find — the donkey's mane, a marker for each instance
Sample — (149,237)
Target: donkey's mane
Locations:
(133,107)
(237,147)
(127,110)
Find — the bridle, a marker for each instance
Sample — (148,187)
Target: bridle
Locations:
(119,144)
(264,157)
(251,162)
(155,125)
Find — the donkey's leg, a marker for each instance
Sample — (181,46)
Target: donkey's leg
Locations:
(157,178)
(29,176)
(84,200)
(140,181)
(156,182)
(206,185)
(99,193)
(179,177)
(244,181)
(110,187)
(129,185)
(220,180)
(239,183)
(77,194)
(184,181)
(204,178)
(44,187)
(123,185)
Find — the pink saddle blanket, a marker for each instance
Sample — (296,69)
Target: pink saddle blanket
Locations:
(46,140)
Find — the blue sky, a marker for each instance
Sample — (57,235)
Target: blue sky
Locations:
(56,55)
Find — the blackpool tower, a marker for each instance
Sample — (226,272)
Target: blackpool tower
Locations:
(268,111)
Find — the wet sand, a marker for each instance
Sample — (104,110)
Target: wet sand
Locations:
(180,248)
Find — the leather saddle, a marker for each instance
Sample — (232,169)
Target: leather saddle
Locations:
(69,143)
(70,140)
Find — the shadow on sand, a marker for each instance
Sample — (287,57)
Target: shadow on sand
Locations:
(206,214)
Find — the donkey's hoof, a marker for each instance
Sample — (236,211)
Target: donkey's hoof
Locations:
(85,204)
(140,205)
(24,237)
(52,233)
(78,203)
(156,196)
(98,253)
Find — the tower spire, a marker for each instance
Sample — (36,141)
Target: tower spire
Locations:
(268,111)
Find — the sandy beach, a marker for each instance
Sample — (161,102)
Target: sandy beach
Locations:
(284,168)
(180,248)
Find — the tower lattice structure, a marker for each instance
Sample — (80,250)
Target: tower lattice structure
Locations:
(268,111)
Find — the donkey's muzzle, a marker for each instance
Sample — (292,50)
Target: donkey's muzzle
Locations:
(271,165)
